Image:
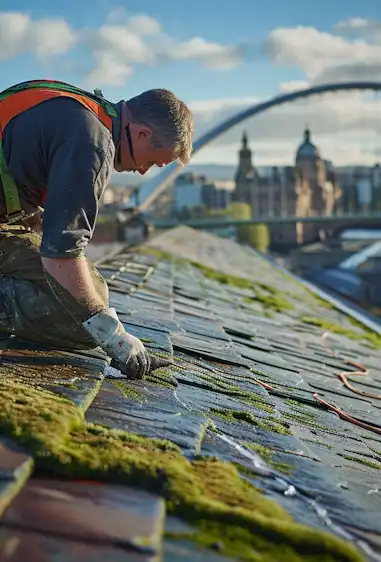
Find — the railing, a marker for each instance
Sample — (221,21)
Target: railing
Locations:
(211,223)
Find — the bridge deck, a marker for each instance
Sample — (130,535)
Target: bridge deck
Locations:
(210,223)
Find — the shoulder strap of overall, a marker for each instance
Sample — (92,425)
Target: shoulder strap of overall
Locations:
(62,87)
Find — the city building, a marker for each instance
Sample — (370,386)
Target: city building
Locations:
(361,186)
(216,195)
(246,176)
(192,193)
(187,192)
(316,186)
(162,206)
(309,188)
(116,196)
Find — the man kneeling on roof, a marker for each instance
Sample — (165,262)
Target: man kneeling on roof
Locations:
(59,146)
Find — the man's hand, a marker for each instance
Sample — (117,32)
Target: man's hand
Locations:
(138,363)
(127,352)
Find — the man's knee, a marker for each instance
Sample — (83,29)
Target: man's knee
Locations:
(34,313)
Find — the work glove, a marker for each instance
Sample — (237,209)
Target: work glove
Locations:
(127,352)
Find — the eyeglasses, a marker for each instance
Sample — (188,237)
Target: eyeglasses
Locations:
(129,140)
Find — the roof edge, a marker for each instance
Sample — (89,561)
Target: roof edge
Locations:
(365,318)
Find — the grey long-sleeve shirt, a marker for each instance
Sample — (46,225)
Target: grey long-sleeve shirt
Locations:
(61,151)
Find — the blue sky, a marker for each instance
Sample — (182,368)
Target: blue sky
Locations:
(219,59)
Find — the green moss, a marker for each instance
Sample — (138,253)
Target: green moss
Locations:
(159,255)
(230,539)
(322,302)
(271,303)
(267,454)
(127,391)
(281,467)
(64,375)
(317,442)
(308,296)
(377,452)
(291,402)
(248,417)
(224,278)
(247,396)
(162,377)
(161,354)
(268,296)
(260,405)
(307,421)
(301,412)
(206,492)
(371,464)
(223,387)
(268,288)
(269,314)
(372,338)
(274,302)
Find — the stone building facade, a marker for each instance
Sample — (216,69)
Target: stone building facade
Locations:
(309,188)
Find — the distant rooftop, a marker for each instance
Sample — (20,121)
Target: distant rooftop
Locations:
(261,442)
(307,149)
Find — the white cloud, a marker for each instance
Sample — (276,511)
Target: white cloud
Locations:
(51,37)
(324,56)
(359,26)
(212,55)
(129,41)
(282,153)
(210,112)
(117,47)
(108,70)
(145,25)
(346,127)
(355,71)
(141,24)
(293,86)
(352,24)
(19,33)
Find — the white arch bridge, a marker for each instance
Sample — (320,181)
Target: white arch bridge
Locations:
(152,188)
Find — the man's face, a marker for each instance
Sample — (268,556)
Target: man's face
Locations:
(138,154)
(145,159)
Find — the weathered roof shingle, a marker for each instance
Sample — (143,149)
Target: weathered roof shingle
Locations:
(238,438)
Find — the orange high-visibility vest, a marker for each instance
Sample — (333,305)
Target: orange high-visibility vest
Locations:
(20,98)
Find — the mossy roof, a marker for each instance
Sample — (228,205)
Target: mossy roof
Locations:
(238,435)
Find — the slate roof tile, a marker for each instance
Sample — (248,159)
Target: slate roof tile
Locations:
(249,355)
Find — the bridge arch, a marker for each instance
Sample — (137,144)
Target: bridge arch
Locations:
(152,188)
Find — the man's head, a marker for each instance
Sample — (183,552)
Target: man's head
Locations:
(156,129)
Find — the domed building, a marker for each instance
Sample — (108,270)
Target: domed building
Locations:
(307,149)
(307,189)
(314,186)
